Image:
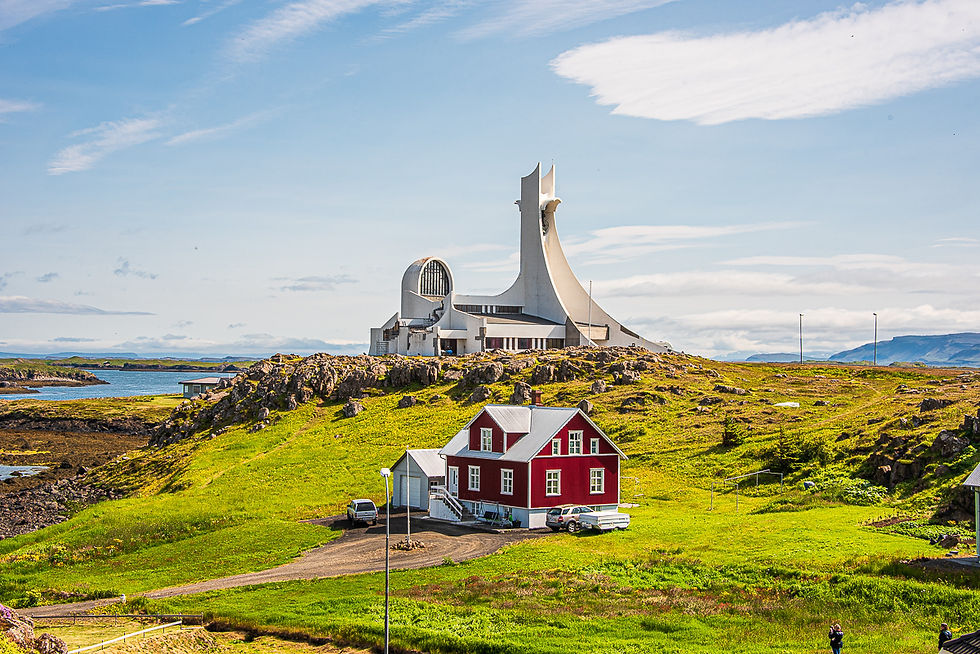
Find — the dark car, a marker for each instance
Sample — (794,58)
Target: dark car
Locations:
(362,511)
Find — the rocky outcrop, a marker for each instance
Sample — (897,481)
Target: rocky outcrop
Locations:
(409,372)
(30,509)
(598,386)
(20,630)
(732,390)
(486,373)
(521,394)
(407,401)
(933,403)
(352,408)
(948,444)
(480,394)
(626,377)
(542,374)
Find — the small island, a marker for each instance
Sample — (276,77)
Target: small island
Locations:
(19,376)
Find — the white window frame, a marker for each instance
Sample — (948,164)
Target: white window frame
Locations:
(486,439)
(593,446)
(473,475)
(549,477)
(506,481)
(575,441)
(555,447)
(595,489)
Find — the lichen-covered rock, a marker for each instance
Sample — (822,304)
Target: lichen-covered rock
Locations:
(733,390)
(933,403)
(948,444)
(521,394)
(407,401)
(486,373)
(542,374)
(20,630)
(480,394)
(352,408)
(626,377)
(598,386)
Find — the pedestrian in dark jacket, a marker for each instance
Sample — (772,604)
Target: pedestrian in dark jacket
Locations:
(944,634)
(836,638)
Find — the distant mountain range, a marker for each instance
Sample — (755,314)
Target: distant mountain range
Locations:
(123,355)
(941,350)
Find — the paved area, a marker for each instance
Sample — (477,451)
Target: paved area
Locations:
(360,549)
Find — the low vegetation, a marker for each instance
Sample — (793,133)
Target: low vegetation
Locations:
(227,498)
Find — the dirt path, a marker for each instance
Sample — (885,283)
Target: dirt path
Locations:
(360,549)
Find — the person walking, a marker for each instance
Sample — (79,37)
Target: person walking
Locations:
(836,638)
(944,634)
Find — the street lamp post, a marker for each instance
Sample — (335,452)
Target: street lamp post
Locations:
(876,339)
(386,473)
(801,338)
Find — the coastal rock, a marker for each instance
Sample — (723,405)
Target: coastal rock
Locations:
(29,509)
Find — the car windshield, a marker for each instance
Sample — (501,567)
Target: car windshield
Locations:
(554,511)
(364,506)
(586,509)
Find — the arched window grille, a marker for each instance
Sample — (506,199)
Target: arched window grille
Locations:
(435,280)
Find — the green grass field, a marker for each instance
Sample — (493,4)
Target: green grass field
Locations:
(769,577)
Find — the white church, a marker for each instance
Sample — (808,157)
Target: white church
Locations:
(545,308)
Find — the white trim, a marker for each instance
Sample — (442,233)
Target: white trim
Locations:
(555,445)
(470,476)
(452,487)
(547,474)
(602,481)
(594,445)
(576,437)
(486,439)
(506,474)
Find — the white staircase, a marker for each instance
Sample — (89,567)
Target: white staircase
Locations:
(444,506)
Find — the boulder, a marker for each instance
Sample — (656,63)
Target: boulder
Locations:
(933,403)
(709,400)
(407,401)
(626,377)
(521,394)
(948,444)
(542,374)
(487,373)
(352,408)
(598,386)
(20,630)
(949,540)
(733,390)
(567,371)
(586,407)
(480,394)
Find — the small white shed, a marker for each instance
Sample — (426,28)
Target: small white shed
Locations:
(973,481)
(413,475)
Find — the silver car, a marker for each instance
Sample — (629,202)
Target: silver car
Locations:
(362,511)
(565,517)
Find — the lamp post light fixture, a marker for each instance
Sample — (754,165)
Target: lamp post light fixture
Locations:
(876,339)
(386,473)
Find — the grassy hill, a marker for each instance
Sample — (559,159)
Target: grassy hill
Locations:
(226,496)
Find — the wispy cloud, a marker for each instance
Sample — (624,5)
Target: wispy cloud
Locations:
(236,325)
(180,324)
(139,3)
(725,283)
(437,13)
(48,277)
(125,269)
(539,17)
(21,304)
(15,12)
(44,228)
(15,106)
(219,131)
(825,65)
(210,12)
(292,21)
(72,339)
(102,141)
(957,242)
(314,283)
(6,276)
(614,244)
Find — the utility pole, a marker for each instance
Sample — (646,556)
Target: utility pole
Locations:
(876,339)
(408,500)
(591,342)
(801,338)
(386,474)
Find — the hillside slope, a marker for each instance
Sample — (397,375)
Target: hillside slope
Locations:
(941,350)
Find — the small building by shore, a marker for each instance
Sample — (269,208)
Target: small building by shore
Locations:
(194,387)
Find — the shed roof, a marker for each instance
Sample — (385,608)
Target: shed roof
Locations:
(428,462)
(973,479)
(539,423)
(203,380)
(965,644)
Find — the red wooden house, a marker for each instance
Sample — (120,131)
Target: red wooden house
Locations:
(522,460)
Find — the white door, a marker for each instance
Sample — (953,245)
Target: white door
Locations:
(453,486)
(415,492)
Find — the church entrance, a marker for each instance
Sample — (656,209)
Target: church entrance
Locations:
(448,346)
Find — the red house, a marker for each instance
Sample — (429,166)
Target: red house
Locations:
(522,460)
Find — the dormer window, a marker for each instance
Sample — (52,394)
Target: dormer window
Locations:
(486,439)
(574,442)
(556,447)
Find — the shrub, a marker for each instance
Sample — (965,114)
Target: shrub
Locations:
(733,433)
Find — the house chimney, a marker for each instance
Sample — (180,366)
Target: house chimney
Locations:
(535,398)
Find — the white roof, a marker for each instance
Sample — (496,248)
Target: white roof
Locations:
(203,380)
(973,479)
(428,461)
(539,423)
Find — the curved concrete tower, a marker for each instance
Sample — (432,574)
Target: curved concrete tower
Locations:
(546,307)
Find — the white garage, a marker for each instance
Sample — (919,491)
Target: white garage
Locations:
(413,475)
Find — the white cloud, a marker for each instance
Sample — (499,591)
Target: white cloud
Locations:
(219,131)
(439,12)
(292,21)
(102,141)
(824,65)
(614,244)
(314,282)
(211,12)
(124,269)
(539,17)
(15,12)
(15,106)
(21,304)
(957,242)
(724,282)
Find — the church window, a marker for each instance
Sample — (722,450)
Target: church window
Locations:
(435,280)
(524,344)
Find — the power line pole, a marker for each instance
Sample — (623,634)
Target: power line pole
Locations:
(801,338)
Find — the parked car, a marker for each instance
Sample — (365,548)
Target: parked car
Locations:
(362,511)
(604,520)
(566,517)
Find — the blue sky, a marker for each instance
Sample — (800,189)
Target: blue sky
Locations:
(245,177)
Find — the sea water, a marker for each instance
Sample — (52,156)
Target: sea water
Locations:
(25,471)
(122,383)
